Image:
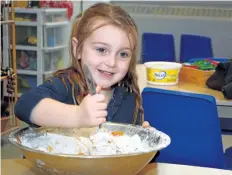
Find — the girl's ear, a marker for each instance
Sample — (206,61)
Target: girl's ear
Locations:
(74,45)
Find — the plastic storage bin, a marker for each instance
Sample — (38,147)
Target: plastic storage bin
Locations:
(41,42)
(53,60)
(58,15)
(26,60)
(25,17)
(26,35)
(26,82)
(55,36)
(47,76)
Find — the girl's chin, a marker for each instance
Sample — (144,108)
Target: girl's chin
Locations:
(105,86)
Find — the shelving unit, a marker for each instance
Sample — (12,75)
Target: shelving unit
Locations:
(41,44)
(7,22)
(9,123)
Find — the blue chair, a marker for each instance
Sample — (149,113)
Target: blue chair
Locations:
(191,121)
(228,158)
(157,47)
(193,46)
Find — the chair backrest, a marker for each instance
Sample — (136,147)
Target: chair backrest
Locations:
(194,46)
(157,47)
(191,120)
(228,158)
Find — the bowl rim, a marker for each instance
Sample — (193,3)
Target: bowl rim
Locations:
(13,141)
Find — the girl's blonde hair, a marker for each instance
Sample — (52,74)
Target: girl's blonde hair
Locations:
(82,28)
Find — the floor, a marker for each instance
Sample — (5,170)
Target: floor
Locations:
(9,151)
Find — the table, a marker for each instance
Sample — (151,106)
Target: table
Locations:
(224,106)
(182,86)
(23,167)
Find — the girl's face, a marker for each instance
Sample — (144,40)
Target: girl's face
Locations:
(107,53)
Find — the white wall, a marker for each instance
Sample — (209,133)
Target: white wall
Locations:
(220,31)
(218,4)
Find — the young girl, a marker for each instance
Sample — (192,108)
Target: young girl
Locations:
(104,38)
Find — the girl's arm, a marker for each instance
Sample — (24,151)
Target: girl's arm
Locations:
(51,105)
(52,113)
(45,105)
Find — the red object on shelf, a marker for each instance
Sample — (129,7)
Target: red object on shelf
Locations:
(215,63)
(58,4)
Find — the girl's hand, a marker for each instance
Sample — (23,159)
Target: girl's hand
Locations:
(147,125)
(93,110)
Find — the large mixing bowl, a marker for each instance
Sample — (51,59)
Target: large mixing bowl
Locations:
(121,164)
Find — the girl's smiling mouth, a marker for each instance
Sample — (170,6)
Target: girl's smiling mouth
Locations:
(106,73)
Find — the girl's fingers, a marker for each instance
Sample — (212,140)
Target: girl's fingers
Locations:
(98,89)
(101,114)
(99,97)
(101,106)
(101,120)
(145,124)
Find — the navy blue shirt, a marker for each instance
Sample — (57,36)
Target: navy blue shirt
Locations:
(120,108)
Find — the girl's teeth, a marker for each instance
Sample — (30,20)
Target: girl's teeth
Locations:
(106,72)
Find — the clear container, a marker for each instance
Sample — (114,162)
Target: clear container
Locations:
(46,76)
(55,35)
(26,82)
(53,60)
(26,35)
(25,17)
(55,15)
(26,60)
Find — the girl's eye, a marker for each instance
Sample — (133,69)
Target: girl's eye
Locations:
(123,55)
(101,50)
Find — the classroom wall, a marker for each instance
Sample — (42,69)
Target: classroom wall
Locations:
(218,4)
(220,31)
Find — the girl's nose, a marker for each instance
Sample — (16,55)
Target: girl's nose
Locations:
(111,61)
